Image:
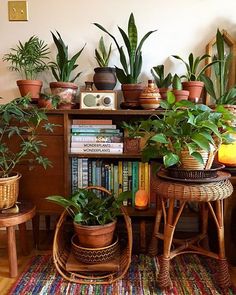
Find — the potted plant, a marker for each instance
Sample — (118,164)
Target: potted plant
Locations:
(132,136)
(163,82)
(94,215)
(193,75)
(187,134)
(104,77)
(131,62)
(177,89)
(62,70)
(19,120)
(48,101)
(29,59)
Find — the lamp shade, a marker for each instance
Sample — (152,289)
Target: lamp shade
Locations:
(141,199)
(227,154)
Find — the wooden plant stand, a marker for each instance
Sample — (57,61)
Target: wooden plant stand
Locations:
(210,196)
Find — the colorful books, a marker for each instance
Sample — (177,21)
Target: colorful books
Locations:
(87,144)
(100,126)
(96,138)
(94,130)
(96,150)
(91,121)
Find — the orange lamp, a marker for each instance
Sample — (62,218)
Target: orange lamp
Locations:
(227,154)
(141,199)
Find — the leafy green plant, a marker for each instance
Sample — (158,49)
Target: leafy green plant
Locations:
(21,119)
(64,66)
(185,126)
(132,60)
(217,87)
(54,99)
(102,55)
(161,80)
(29,58)
(88,208)
(132,128)
(176,83)
(194,70)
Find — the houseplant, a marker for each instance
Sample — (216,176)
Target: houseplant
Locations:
(131,62)
(48,101)
(94,215)
(62,70)
(29,59)
(186,133)
(177,89)
(20,121)
(104,77)
(193,74)
(163,82)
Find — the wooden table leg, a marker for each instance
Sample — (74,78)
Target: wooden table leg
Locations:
(12,256)
(23,239)
(35,222)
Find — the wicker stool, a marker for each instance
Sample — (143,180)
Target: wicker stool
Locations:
(209,194)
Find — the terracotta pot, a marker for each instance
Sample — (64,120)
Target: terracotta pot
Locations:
(95,236)
(131,93)
(195,89)
(163,93)
(105,78)
(44,103)
(65,90)
(181,94)
(31,87)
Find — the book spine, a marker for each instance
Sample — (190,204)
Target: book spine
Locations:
(94,130)
(84,172)
(97,150)
(116,181)
(94,179)
(120,176)
(130,181)
(125,180)
(147,180)
(90,182)
(135,180)
(141,173)
(90,121)
(80,173)
(94,126)
(97,144)
(96,138)
(74,174)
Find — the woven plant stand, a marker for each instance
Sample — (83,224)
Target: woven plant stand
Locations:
(62,250)
(210,196)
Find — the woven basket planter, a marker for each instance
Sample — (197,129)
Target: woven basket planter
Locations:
(9,190)
(190,163)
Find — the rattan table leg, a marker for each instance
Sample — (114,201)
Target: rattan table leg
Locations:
(153,248)
(204,224)
(224,277)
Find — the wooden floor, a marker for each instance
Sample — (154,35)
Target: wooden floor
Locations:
(46,242)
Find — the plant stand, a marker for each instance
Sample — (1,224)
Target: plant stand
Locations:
(210,195)
(62,256)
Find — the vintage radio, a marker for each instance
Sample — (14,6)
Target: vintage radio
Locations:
(99,99)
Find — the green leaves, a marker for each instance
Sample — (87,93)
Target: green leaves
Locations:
(29,58)
(131,61)
(161,80)
(101,54)
(63,67)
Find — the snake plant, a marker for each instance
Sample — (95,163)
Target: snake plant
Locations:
(161,80)
(102,55)
(63,67)
(132,60)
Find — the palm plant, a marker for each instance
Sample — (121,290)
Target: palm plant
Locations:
(29,58)
(132,60)
(102,56)
(64,66)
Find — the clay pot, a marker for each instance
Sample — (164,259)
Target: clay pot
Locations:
(95,236)
(195,89)
(163,93)
(105,78)
(131,93)
(181,94)
(31,87)
(150,97)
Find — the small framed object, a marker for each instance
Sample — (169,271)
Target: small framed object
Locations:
(230,48)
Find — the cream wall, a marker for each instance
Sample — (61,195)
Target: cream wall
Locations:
(183,26)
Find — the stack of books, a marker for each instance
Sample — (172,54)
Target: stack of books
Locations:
(95,137)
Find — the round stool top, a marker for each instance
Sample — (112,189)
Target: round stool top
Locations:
(26,212)
(192,191)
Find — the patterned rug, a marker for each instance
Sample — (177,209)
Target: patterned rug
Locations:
(191,275)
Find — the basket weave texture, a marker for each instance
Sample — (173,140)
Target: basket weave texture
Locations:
(9,191)
(200,192)
(62,248)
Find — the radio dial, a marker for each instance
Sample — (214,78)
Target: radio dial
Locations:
(106,101)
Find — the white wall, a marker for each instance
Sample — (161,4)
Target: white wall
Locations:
(183,26)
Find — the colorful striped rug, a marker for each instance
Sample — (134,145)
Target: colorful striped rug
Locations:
(191,275)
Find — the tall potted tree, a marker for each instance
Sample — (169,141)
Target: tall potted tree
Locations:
(29,59)
(104,77)
(131,62)
(62,70)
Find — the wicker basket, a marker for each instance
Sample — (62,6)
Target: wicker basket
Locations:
(190,163)
(94,255)
(194,174)
(9,190)
(62,249)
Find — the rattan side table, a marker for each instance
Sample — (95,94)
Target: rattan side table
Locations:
(209,193)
